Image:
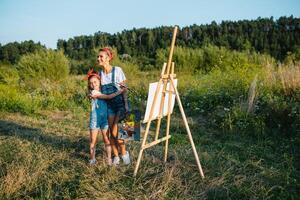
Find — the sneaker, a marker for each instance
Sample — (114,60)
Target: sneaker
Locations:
(93,162)
(126,158)
(116,161)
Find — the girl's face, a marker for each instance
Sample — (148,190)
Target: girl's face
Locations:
(103,58)
(94,83)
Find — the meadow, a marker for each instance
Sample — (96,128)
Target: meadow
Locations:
(242,107)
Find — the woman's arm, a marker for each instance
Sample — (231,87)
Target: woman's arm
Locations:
(121,79)
(108,96)
(125,96)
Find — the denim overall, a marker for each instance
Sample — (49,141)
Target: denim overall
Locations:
(116,105)
(98,114)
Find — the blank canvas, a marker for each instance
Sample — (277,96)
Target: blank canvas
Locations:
(151,93)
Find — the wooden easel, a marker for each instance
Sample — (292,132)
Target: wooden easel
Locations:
(167,76)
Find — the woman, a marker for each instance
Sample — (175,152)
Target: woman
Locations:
(112,79)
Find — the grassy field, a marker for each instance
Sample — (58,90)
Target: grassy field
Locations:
(243,111)
(45,156)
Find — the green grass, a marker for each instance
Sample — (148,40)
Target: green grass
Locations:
(45,156)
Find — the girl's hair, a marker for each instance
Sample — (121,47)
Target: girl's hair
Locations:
(108,51)
(92,73)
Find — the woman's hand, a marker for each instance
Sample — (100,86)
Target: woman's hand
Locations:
(122,85)
(120,91)
(123,89)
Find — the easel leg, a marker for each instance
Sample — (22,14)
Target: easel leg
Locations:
(161,103)
(138,162)
(167,134)
(187,129)
(170,96)
(161,110)
(142,146)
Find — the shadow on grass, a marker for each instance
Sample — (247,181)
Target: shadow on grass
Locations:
(78,145)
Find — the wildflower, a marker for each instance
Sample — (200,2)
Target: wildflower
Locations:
(226,109)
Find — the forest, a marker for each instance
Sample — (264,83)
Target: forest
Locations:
(277,38)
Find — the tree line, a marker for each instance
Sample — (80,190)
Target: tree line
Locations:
(12,52)
(265,35)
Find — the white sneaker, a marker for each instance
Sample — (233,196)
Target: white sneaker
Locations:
(116,161)
(126,158)
(93,162)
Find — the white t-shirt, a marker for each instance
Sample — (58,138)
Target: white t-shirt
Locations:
(119,76)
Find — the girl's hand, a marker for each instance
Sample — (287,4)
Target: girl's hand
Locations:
(95,96)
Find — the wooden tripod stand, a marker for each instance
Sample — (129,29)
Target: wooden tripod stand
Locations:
(168,88)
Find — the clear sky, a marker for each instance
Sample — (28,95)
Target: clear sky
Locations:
(47,21)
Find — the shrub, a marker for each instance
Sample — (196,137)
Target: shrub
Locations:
(238,120)
(35,68)
(8,74)
(209,58)
(12,100)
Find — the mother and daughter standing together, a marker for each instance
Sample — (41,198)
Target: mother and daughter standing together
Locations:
(109,105)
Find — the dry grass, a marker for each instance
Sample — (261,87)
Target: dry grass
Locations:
(287,76)
(290,77)
(45,157)
(252,94)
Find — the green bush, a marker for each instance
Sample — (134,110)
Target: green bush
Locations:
(37,67)
(218,88)
(12,100)
(238,120)
(222,97)
(210,57)
(66,94)
(281,113)
(8,74)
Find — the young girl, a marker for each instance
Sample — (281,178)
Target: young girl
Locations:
(111,79)
(98,116)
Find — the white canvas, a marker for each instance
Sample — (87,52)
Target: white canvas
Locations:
(151,93)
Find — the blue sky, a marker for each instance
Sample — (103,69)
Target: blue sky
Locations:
(47,21)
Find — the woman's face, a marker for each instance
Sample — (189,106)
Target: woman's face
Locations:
(94,83)
(103,58)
